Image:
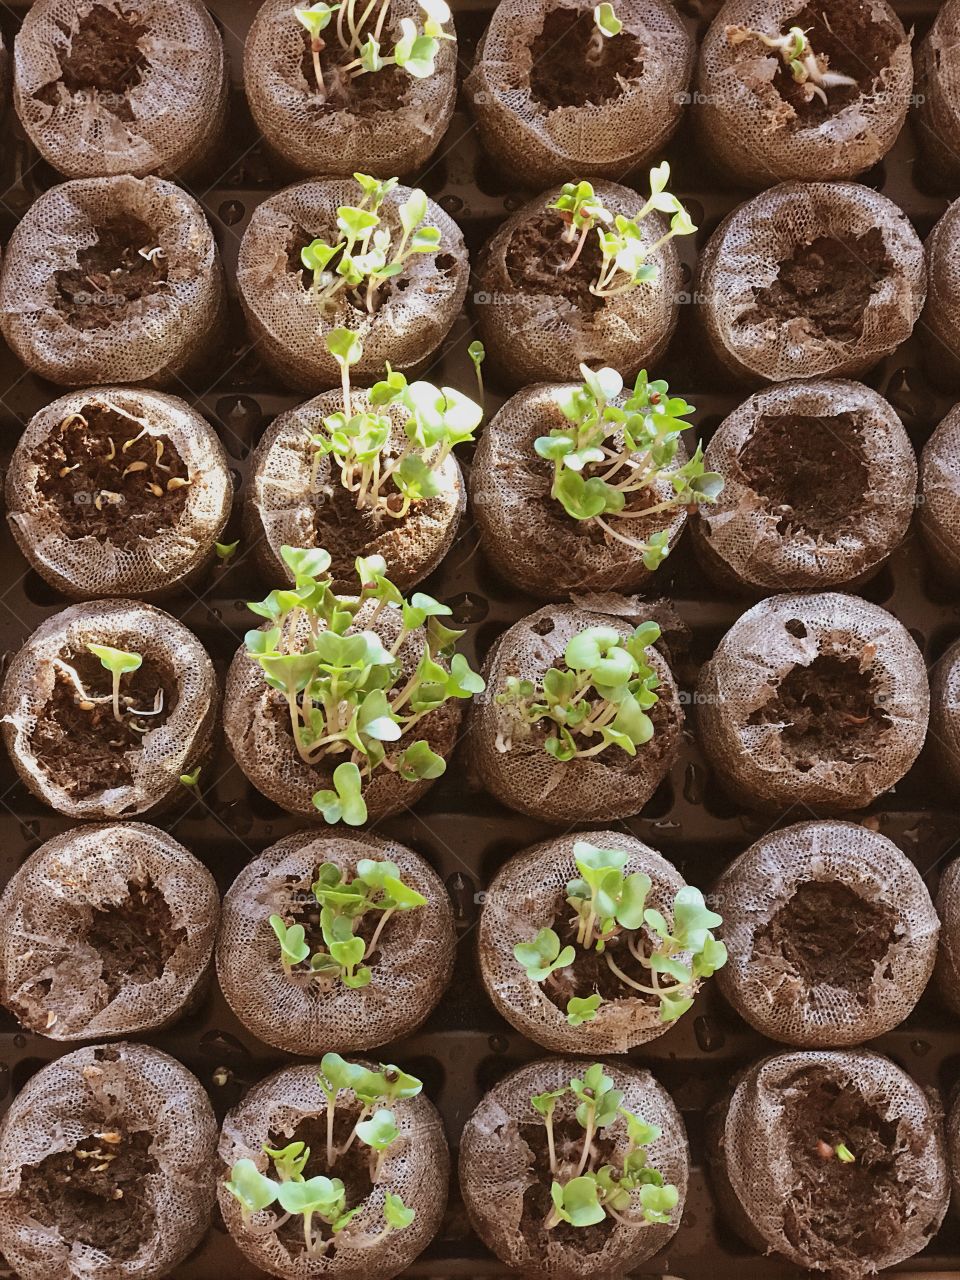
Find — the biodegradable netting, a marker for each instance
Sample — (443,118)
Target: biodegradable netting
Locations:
(291,501)
(525,777)
(94,565)
(179,744)
(759,137)
(497,1171)
(947,970)
(754,1163)
(771,764)
(940,485)
(749,539)
(528,534)
(415,311)
(779,989)
(945,712)
(416,1168)
(543,337)
(132,1088)
(166,121)
(528,894)
(606,138)
(289,1011)
(313,138)
(257,726)
(938,92)
(151,339)
(50,966)
(940,322)
(743,260)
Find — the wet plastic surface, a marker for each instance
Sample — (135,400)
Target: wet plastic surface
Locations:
(465,1047)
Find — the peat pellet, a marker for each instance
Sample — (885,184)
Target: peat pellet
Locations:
(939,509)
(937,116)
(939,328)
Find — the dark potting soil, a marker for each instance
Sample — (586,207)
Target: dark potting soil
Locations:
(105,56)
(828,710)
(590,972)
(536,254)
(568,1140)
(110,274)
(859,1208)
(98,456)
(829,935)
(809,472)
(826,282)
(365,95)
(95,1194)
(86,752)
(135,937)
(571,69)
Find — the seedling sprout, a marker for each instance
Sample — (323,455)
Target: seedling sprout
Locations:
(808,69)
(118,663)
(226,550)
(477,353)
(606,25)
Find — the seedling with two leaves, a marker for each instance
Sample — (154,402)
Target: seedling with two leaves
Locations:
(119,663)
(809,69)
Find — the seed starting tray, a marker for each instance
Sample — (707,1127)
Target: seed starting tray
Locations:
(465,1047)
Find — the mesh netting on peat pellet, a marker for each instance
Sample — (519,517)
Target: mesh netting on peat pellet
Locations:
(291,1010)
(101,89)
(416,1168)
(939,328)
(70,751)
(944,744)
(105,931)
(505,1177)
(539,324)
(785,1194)
(528,535)
(111,280)
(118,492)
(414,310)
(937,118)
(556,102)
(524,775)
(939,512)
(811,280)
(820,482)
(947,970)
(164,1163)
(820,700)
(830,932)
(295,498)
(763,125)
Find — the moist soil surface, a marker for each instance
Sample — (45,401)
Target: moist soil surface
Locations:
(97,456)
(571,69)
(111,274)
(809,472)
(364,96)
(858,1209)
(827,283)
(536,254)
(86,751)
(105,56)
(135,937)
(590,972)
(95,1194)
(568,1139)
(829,936)
(828,710)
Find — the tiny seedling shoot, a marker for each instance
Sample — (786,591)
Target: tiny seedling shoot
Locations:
(606,25)
(611,917)
(808,69)
(608,461)
(347,695)
(624,254)
(118,663)
(584,1192)
(377,890)
(320,1201)
(385,481)
(597,697)
(369,251)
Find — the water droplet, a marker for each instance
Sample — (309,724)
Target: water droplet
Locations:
(499,1044)
(920,1047)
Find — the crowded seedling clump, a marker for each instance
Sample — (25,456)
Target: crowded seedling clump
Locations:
(345,691)
(118,663)
(624,254)
(609,905)
(343,903)
(609,460)
(810,70)
(386,482)
(323,1197)
(583,1193)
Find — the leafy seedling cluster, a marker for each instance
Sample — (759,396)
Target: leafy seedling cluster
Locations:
(345,690)
(609,905)
(624,254)
(609,461)
(368,252)
(323,1197)
(343,902)
(598,698)
(118,663)
(808,69)
(384,481)
(583,1193)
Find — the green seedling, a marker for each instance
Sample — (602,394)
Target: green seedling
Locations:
(606,25)
(226,550)
(478,353)
(191,779)
(807,68)
(119,664)
(543,956)
(610,461)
